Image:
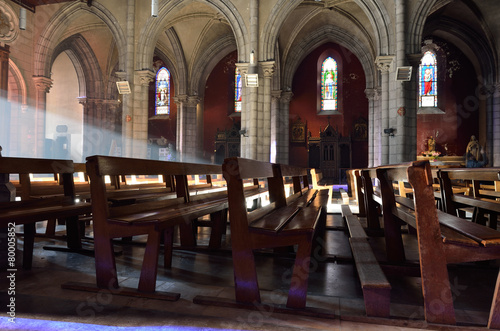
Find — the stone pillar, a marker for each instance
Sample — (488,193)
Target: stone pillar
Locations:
(374,127)
(276,138)
(244,143)
(264,127)
(127,125)
(4,102)
(384,64)
(43,85)
(4,71)
(186,127)
(286,97)
(140,112)
(400,138)
(493,144)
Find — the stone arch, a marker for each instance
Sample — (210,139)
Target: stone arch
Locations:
(374,10)
(20,82)
(319,37)
(154,27)
(86,65)
(181,72)
(43,55)
(171,66)
(202,69)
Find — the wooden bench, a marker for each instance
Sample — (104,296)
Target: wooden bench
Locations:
(284,222)
(28,211)
(355,187)
(155,218)
(375,286)
(442,239)
(316,177)
(478,198)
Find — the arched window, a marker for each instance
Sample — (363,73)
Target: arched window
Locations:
(427,96)
(237,91)
(162,104)
(329,85)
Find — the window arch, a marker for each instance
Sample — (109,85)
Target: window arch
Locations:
(329,86)
(162,103)
(428,93)
(237,91)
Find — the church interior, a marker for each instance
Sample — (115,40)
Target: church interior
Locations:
(330,85)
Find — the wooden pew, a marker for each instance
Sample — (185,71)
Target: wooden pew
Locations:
(284,222)
(442,239)
(155,218)
(482,204)
(316,177)
(375,286)
(28,211)
(355,187)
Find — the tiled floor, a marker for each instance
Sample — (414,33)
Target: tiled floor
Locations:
(333,286)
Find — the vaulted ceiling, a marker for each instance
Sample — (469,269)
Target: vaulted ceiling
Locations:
(32,4)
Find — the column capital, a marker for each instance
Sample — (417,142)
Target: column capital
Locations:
(372,93)
(286,96)
(144,77)
(268,68)
(276,95)
(384,62)
(181,99)
(242,68)
(43,83)
(122,75)
(193,100)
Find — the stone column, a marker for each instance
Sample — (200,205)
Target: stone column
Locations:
(42,85)
(399,111)
(140,112)
(286,97)
(4,71)
(244,143)
(491,95)
(5,116)
(264,128)
(127,113)
(384,64)
(374,127)
(276,148)
(186,127)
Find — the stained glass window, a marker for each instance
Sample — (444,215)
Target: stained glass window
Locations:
(428,81)
(329,85)
(162,105)
(237,91)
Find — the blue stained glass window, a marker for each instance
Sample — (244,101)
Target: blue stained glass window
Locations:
(329,85)
(237,91)
(162,104)
(427,96)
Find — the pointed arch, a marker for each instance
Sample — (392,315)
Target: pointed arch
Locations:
(49,38)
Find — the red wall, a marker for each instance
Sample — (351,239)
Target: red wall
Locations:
(459,99)
(353,103)
(219,102)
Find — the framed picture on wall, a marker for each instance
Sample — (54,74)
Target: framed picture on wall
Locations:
(360,129)
(298,132)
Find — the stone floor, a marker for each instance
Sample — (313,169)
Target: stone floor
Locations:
(41,303)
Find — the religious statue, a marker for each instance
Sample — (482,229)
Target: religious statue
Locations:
(475,156)
(431,144)
(473,148)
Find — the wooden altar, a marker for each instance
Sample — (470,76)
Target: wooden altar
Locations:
(331,153)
